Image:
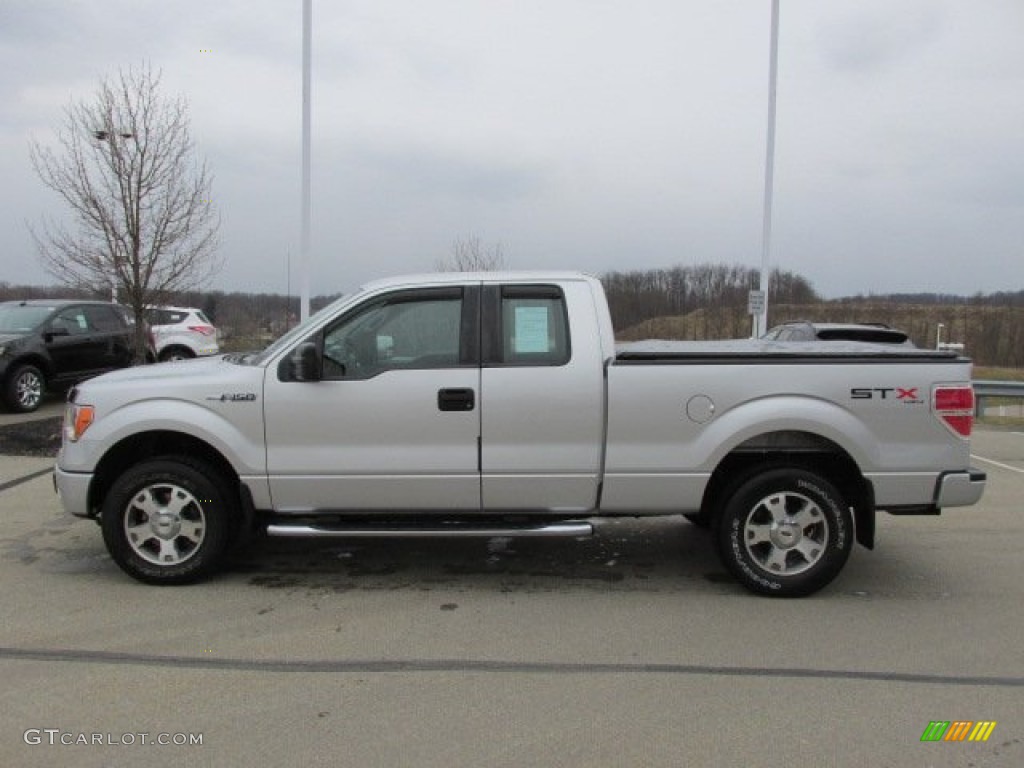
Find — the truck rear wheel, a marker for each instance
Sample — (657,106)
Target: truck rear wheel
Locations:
(785,532)
(167,521)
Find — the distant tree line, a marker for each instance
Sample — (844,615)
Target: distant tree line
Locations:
(997,299)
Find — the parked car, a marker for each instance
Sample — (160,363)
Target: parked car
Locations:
(51,344)
(182,333)
(802,330)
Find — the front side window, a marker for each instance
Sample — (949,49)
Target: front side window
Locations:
(396,333)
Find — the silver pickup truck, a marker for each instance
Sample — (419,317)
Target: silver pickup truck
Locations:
(499,405)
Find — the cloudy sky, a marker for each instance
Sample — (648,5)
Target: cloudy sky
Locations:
(585,134)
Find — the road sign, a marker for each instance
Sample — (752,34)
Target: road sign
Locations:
(755,303)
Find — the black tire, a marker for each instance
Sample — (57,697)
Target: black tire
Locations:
(24,389)
(785,532)
(176,353)
(699,519)
(168,520)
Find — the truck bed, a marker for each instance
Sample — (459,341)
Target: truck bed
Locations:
(753,350)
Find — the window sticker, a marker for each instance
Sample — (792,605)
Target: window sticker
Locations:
(531,330)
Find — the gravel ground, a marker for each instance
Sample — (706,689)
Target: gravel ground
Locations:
(31,438)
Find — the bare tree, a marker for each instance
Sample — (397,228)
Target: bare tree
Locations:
(142,220)
(470,255)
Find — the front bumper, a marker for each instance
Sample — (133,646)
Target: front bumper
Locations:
(73,490)
(959,489)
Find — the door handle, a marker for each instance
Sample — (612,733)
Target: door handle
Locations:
(456,400)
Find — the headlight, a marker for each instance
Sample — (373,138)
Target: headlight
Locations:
(77,419)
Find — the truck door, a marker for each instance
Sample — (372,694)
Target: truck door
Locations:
(542,401)
(394,421)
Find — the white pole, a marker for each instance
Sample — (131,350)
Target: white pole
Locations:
(307,37)
(769,170)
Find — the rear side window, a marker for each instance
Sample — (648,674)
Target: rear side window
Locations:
(534,327)
(72,320)
(165,317)
(104,318)
(878,336)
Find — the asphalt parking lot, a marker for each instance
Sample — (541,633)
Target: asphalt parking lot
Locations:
(629,648)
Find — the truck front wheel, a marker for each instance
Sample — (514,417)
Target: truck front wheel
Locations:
(785,532)
(167,521)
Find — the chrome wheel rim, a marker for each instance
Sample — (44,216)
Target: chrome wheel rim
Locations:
(786,533)
(28,389)
(165,524)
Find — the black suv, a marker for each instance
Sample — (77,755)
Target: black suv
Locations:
(49,344)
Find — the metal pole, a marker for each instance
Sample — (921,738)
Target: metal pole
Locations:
(307,37)
(769,170)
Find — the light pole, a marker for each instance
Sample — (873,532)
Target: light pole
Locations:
(769,169)
(307,41)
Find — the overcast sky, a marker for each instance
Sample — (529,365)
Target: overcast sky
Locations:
(583,134)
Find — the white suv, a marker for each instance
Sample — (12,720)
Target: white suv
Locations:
(181,333)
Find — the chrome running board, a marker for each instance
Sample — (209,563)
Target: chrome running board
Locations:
(435,530)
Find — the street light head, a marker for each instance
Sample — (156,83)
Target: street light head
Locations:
(108,136)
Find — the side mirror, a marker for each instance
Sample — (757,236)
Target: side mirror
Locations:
(305,362)
(56,330)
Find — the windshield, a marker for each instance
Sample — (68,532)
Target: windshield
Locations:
(22,318)
(296,333)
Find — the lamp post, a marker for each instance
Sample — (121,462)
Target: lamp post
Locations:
(307,37)
(769,170)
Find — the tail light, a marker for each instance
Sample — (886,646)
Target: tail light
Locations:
(954,405)
(206,330)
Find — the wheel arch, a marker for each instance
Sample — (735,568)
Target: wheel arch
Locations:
(174,346)
(32,359)
(153,444)
(800,449)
